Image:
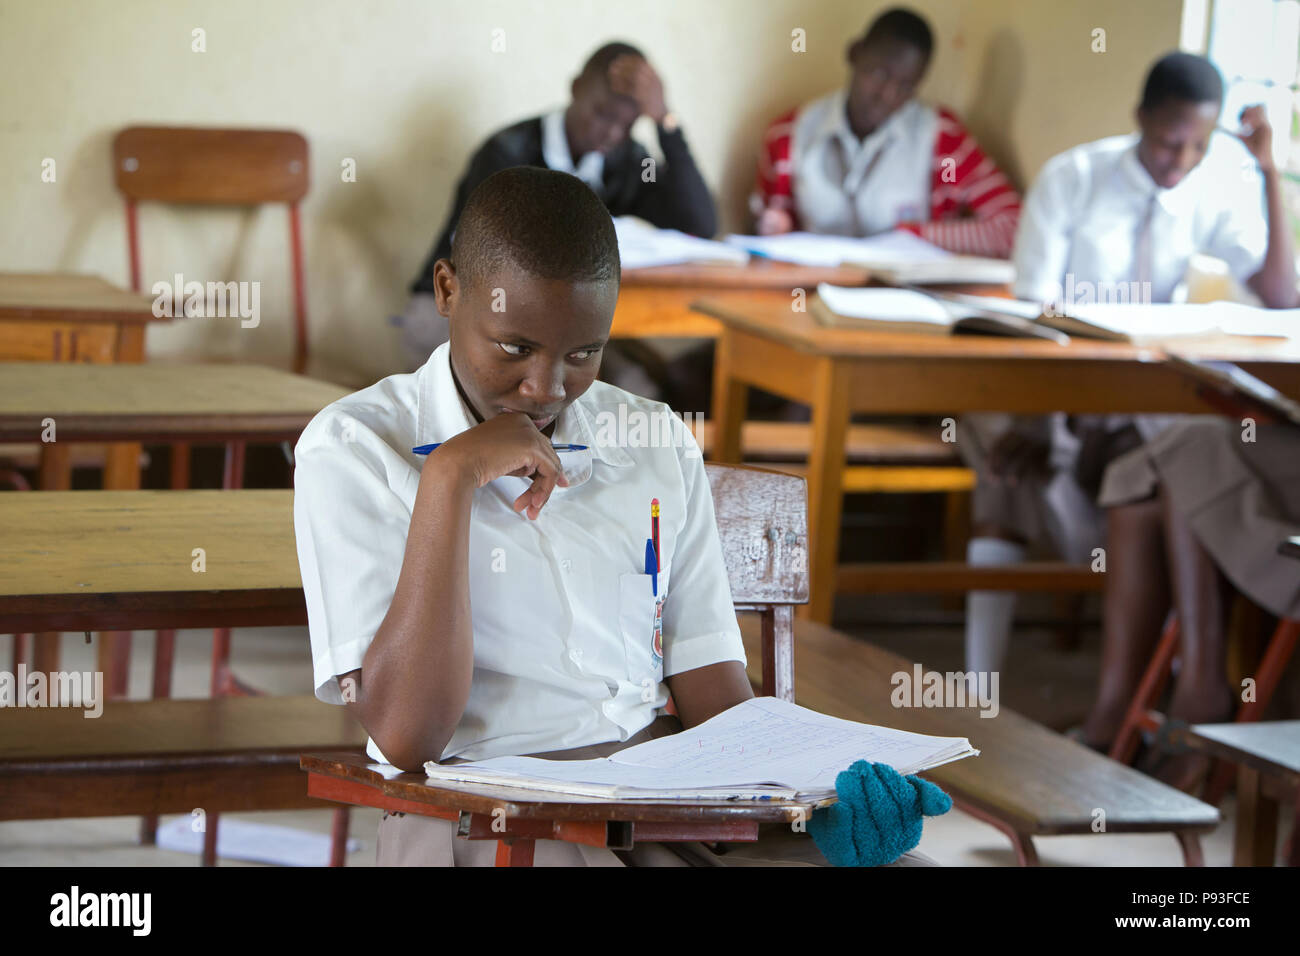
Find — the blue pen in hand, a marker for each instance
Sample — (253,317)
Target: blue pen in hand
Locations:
(652,565)
(426,449)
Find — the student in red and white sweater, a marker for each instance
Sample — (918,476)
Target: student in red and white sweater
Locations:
(871,158)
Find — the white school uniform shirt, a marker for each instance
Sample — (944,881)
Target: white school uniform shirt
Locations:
(1082,220)
(563,611)
(555,152)
(850,187)
(1093,207)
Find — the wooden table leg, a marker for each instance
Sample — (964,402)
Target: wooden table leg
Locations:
(45,660)
(830,421)
(729,397)
(514,852)
(1255,842)
(121,473)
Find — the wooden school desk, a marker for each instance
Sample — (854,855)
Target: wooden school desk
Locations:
(844,371)
(66,317)
(122,560)
(515,818)
(156,402)
(656,302)
(1267,755)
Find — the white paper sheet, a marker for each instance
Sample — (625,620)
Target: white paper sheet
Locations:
(811,249)
(641,245)
(759,748)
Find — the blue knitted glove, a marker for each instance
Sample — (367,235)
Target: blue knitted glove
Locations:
(877,817)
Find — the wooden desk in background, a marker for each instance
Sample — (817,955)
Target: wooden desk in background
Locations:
(1267,755)
(158,402)
(154,402)
(122,560)
(65,317)
(656,302)
(839,372)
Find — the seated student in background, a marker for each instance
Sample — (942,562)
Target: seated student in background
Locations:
(490,599)
(1101,217)
(589,139)
(871,158)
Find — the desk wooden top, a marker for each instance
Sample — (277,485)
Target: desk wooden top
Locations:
(1271,746)
(756,274)
(69,297)
(122,560)
(1038,780)
(157,401)
(527,804)
(766,317)
(140,735)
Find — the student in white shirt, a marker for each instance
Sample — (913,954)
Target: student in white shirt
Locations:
(1102,222)
(493,598)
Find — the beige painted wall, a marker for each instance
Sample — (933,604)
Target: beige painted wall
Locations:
(407,88)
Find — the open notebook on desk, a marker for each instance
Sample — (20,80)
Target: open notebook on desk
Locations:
(927,312)
(763,748)
(897,257)
(1146,323)
(641,245)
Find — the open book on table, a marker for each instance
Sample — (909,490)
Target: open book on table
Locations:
(927,312)
(763,748)
(1155,322)
(897,257)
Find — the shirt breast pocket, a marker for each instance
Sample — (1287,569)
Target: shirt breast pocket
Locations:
(640,620)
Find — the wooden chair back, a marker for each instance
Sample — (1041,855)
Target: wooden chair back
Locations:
(233,167)
(762,519)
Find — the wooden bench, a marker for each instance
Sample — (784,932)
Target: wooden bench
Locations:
(230,754)
(1028,781)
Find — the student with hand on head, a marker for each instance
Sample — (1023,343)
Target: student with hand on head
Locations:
(1118,220)
(492,598)
(589,138)
(871,158)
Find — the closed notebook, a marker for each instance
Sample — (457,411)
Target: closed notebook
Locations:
(761,749)
(914,311)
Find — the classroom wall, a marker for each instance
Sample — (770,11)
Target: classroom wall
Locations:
(407,88)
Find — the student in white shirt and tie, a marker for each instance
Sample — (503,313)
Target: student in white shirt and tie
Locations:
(493,598)
(1102,221)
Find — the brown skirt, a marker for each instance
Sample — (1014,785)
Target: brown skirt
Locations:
(1238,488)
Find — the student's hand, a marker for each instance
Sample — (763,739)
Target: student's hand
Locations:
(1016,456)
(773,222)
(508,444)
(877,816)
(1258,136)
(632,76)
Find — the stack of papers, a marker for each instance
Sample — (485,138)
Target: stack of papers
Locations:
(762,748)
(897,256)
(641,245)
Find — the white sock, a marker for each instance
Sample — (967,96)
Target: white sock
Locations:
(989,614)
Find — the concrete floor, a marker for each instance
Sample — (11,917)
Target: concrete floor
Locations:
(1043,681)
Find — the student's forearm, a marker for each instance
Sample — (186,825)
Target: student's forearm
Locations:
(419,667)
(1275,282)
(678,198)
